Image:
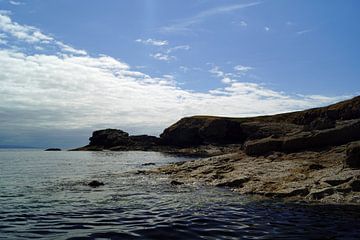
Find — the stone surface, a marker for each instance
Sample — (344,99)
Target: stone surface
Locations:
(353,155)
(305,176)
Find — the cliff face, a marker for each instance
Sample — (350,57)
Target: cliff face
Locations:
(313,125)
(289,132)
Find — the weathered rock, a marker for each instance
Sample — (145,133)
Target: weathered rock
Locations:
(320,124)
(346,132)
(95,184)
(353,155)
(263,146)
(287,176)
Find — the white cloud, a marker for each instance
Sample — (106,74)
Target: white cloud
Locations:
(152,42)
(22,32)
(162,57)
(69,49)
(184,69)
(242,69)
(243,24)
(32,35)
(304,31)
(181,47)
(267,29)
(61,91)
(16,3)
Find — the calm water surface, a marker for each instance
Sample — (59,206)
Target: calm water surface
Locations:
(44,195)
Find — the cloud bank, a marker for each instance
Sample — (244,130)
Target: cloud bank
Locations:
(71,91)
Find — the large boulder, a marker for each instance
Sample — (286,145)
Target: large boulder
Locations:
(353,155)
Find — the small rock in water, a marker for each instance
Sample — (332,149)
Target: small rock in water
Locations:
(53,149)
(176,183)
(95,184)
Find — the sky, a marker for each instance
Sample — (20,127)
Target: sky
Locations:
(70,67)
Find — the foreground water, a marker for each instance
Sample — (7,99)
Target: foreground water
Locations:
(44,195)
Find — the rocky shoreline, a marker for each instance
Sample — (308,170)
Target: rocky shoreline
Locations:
(312,176)
(311,155)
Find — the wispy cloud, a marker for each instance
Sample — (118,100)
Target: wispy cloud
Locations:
(152,42)
(180,47)
(16,3)
(304,31)
(184,25)
(162,57)
(266,28)
(242,68)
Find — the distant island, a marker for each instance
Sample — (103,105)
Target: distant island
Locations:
(311,155)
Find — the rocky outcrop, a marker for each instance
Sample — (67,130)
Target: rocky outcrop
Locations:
(108,138)
(199,130)
(118,140)
(315,176)
(345,132)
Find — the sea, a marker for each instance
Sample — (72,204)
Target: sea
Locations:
(44,195)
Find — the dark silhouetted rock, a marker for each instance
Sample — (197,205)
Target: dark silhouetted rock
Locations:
(109,138)
(353,155)
(203,130)
(95,184)
(53,149)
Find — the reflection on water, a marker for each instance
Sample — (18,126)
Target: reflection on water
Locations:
(44,195)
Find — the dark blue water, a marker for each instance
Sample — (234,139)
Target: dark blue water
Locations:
(44,195)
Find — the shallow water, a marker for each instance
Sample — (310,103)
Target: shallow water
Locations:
(44,195)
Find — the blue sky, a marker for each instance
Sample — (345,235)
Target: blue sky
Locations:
(74,66)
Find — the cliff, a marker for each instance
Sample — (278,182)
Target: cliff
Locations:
(311,155)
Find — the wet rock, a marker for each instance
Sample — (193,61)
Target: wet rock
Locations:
(290,192)
(176,183)
(353,155)
(318,194)
(95,184)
